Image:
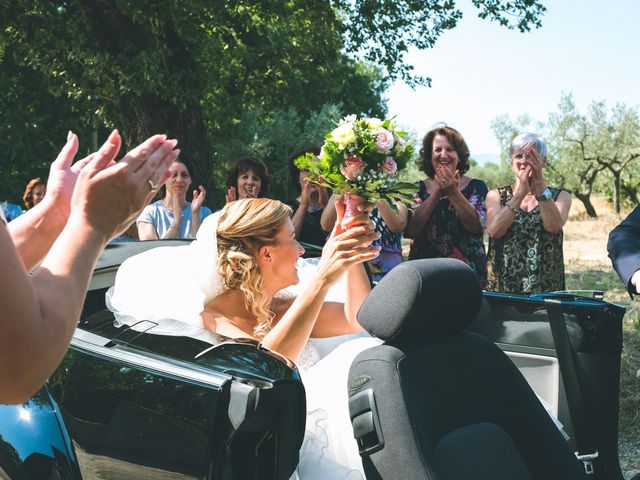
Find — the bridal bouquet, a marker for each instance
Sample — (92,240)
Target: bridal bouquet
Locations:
(360,159)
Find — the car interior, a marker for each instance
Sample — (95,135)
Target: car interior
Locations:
(438,400)
(467,384)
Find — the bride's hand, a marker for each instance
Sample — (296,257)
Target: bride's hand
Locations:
(349,244)
(343,224)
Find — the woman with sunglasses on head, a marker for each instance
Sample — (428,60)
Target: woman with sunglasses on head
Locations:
(449,216)
(524,223)
(173,216)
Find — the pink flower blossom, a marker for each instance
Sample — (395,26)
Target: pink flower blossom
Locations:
(389,166)
(384,140)
(352,167)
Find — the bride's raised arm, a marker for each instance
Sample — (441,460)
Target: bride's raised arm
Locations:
(346,250)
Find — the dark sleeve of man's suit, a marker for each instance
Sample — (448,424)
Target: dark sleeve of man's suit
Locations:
(624,248)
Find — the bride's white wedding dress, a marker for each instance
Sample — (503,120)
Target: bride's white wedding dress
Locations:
(170,286)
(329,450)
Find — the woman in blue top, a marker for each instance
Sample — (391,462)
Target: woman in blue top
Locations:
(173,216)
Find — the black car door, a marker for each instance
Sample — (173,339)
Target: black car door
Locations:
(134,415)
(520,326)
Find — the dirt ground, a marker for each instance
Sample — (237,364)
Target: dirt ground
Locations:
(585,238)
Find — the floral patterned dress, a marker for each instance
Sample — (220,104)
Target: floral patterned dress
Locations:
(527,258)
(391,243)
(443,236)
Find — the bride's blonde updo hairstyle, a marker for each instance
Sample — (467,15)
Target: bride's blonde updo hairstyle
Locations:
(245,226)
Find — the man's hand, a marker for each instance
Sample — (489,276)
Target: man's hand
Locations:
(635,281)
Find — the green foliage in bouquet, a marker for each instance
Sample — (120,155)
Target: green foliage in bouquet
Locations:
(362,156)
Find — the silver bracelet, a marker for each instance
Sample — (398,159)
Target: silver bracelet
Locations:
(515,211)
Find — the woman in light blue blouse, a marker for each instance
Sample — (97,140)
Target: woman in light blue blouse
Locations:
(173,216)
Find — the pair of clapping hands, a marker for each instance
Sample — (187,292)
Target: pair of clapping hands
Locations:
(447,181)
(101,194)
(531,177)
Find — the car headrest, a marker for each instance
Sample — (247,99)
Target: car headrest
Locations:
(422,297)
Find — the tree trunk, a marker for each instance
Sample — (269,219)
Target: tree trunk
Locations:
(585,198)
(141,114)
(632,193)
(144,116)
(616,191)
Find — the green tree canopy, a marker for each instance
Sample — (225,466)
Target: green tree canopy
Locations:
(198,70)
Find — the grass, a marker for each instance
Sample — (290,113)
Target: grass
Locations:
(588,268)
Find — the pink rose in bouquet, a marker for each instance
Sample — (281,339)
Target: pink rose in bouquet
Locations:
(353,167)
(389,166)
(384,140)
(361,159)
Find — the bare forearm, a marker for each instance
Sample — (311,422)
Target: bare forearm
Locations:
(467,213)
(34,232)
(395,220)
(195,223)
(421,216)
(147,231)
(499,223)
(500,217)
(551,218)
(298,219)
(328,218)
(172,231)
(289,336)
(359,287)
(34,350)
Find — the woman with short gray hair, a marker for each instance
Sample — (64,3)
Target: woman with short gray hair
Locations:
(524,223)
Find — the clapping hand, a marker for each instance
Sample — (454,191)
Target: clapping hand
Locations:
(305,194)
(447,182)
(62,180)
(524,177)
(108,196)
(231,195)
(198,200)
(536,181)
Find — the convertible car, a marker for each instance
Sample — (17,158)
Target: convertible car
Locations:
(128,403)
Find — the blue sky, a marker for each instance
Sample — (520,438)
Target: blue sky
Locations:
(480,70)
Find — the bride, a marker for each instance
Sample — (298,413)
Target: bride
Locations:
(234,279)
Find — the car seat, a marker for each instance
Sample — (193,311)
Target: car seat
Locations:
(438,402)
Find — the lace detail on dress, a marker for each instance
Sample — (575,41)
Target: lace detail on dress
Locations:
(308,357)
